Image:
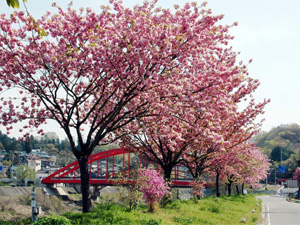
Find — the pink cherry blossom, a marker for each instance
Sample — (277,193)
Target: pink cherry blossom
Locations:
(152,185)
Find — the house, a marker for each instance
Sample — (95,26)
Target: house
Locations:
(34,163)
(41,174)
(48,162)
(2,155)
(3,170)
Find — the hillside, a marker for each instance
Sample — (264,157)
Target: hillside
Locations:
(281,144)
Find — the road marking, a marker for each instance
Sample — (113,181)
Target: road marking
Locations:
(268,217)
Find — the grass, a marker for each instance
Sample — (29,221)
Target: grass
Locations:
(211,210)
(224,210)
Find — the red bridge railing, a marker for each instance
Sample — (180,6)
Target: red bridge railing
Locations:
(107,167)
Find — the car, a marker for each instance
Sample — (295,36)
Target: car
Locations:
(296,194)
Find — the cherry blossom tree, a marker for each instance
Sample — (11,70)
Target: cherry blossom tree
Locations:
(167,133)
(95,73)
(242,164)
(237,127)
(198,189)
(296,176)
(162,79)
(178,123)
(247,165)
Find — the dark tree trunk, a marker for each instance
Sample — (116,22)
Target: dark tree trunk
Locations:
(167,173)
(217,184)
(167,177)
(237,189)
(243,189)
(229,189)
(85,184)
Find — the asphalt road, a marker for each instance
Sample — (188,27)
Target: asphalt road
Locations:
(278,211)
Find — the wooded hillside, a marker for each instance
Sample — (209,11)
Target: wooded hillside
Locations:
(281,144)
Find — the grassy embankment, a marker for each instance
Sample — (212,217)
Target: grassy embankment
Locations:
(223,210)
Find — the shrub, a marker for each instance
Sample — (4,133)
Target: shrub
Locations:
(53,220)
(213,208)
(183,220)
(129,193)
(174,205)
(153,186)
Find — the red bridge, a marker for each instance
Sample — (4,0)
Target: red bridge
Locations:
(105,168)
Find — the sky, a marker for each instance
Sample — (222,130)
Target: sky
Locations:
(268,32)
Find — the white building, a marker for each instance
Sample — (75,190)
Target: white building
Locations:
(35,164)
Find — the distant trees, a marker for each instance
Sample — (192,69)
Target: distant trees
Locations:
(279,153)
(282,140)
(49,143)
(25,172)
(28,146)
(7,143)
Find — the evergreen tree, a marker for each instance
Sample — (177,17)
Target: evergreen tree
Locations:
(28,146)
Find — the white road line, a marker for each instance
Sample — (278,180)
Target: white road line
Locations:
(268,217)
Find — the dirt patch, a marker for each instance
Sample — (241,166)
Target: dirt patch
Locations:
(22,210)
(16,208)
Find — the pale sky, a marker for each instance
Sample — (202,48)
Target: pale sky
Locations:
(268,32)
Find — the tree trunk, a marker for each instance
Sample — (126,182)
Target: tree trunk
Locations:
(167,174)
(229,189)
(167,177)
(153,207)
(243,189)
(85,184)
(237,189)
(217,184)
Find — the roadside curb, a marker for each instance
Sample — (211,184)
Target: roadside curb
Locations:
(262,219)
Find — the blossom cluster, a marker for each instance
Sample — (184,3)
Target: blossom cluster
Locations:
(152,185)
(198,188)
(296,175)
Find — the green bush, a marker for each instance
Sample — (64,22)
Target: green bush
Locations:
(174,205)
(6,223)
(211,207)
(53,220)
(237,198)
(183,221)
(150,222)
(153,222)
(214,208)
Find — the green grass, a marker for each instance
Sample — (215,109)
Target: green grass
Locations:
(223,210)
(211,210)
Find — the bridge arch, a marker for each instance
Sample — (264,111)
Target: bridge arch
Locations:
(105,168)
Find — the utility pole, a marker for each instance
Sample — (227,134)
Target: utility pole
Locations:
(266,187)
(280,156)
(12,164)
(35,209)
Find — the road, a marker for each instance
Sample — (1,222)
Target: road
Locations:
(278,211)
